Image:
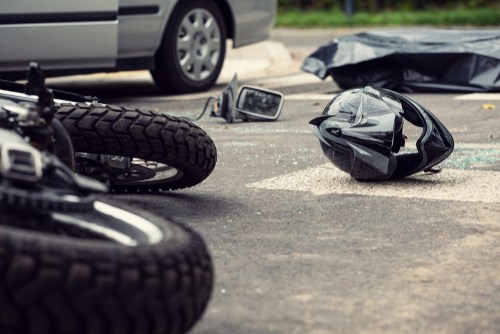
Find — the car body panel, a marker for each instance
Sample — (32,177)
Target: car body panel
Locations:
(254,20)
(126,35)
(140,33)
(58,34)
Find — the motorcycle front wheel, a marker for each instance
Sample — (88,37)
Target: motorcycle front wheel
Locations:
(178,153)
(106,270)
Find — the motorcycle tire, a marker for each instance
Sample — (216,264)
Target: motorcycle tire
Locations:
(55,281)
(50,198)
(136,133)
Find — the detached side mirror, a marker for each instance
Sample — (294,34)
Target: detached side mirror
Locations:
(226,101)
(257,103)
(249,103)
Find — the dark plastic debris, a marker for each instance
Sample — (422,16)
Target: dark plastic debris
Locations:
(427,60)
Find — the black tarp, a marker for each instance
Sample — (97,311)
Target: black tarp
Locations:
(409,60)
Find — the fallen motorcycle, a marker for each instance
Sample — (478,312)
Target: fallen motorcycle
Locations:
(72,262)
(133,150)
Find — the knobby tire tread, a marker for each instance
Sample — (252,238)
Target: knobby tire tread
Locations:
(138,133)
(31,199)
(54,285)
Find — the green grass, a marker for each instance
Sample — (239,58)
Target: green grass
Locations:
(457,17)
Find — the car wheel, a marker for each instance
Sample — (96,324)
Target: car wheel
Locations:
(192,52)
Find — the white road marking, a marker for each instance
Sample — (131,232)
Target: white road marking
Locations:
(287,80)
(473,97)
(476,146)
(479,97)
(305,97)
(270,83)
(450,184)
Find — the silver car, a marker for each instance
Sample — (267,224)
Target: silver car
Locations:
(182,42)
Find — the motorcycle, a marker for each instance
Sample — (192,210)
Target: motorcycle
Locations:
(72,261)
(133,150)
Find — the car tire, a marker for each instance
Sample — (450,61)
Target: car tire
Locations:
(193,49)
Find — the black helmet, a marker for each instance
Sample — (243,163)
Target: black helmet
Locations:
(361,130)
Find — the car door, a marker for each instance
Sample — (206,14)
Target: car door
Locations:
(59,34)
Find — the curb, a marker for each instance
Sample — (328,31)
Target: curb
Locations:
(257,60)
(263,59)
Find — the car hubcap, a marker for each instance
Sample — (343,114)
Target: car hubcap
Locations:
(198,44)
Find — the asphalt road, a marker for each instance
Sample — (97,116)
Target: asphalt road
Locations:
(299,247)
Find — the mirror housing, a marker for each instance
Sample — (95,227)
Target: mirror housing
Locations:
(226,101)
(257,103)
(250,103)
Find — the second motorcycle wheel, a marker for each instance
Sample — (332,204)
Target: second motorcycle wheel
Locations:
(179,152)
(101,271)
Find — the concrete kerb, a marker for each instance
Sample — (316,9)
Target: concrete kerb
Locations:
(268,58)
(263,59)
